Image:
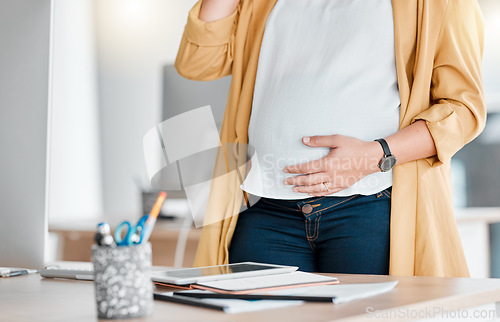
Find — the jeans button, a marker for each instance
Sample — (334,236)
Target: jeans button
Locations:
(307,208)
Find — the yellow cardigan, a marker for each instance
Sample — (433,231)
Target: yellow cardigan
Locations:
(438,46)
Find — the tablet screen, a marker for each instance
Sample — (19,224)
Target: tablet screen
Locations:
(218,270)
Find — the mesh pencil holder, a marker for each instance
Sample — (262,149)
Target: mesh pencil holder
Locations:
(123,286)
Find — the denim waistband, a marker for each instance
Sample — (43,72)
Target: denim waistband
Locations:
(317,203)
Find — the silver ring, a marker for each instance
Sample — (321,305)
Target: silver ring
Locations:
(326,186)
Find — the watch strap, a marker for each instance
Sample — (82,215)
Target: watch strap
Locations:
(385,147)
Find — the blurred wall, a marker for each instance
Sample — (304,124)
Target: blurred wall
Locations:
(491,58)
(76,191)
(107,93)
(135,39)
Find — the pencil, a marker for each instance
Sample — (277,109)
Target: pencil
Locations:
(150,222)
(157,207)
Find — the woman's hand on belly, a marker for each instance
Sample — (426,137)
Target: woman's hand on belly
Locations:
(348,161)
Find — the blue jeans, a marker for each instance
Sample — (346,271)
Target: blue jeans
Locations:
(318,234)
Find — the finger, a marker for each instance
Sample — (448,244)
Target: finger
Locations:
(326,193)
(307,179)
(314,166)
(317,188)
(331,141)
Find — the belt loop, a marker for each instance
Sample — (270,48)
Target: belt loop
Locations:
(300,204)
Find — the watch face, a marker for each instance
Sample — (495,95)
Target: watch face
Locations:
(387,163)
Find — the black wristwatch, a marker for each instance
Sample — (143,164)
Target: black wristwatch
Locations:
(388,161)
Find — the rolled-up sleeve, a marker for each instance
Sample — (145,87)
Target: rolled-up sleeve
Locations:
(206,49)
(458,112)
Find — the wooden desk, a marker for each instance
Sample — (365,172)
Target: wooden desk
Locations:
(31,298)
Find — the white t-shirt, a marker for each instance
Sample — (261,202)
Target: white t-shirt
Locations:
(325,67)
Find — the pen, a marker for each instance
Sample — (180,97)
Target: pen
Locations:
(323,299)
(14,273)
(17,273)
(150,222)
(103,235)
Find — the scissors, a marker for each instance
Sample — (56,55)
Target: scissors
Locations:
(133,234)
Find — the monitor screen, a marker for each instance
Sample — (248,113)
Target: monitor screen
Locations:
(24,118)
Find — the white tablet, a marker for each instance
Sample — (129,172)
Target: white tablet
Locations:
(219,272)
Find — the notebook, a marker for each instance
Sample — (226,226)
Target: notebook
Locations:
(254,284)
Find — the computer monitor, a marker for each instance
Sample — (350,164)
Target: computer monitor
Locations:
(24,116)
(182,95)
